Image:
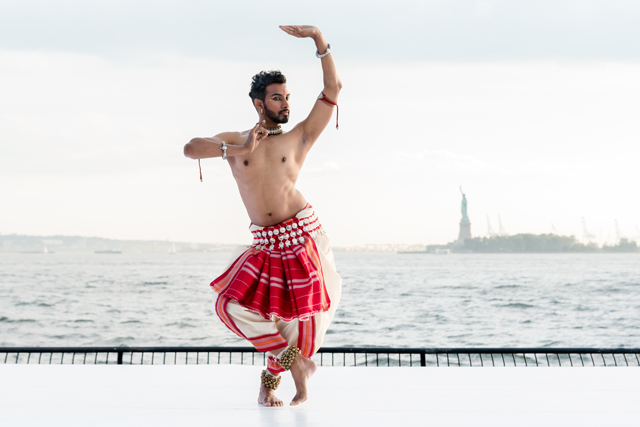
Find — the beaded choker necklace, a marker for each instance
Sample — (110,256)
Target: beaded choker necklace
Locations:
(275,131)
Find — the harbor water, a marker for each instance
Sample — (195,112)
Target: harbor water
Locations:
(389,299)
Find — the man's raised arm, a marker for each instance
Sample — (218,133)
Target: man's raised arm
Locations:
(322,111)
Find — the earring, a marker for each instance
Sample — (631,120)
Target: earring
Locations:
(261,111)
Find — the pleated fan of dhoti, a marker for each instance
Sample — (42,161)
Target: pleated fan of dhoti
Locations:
(280,274)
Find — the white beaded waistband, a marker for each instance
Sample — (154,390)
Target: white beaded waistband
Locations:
(288,233)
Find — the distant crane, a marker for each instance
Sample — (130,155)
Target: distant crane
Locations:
(501,230)
(490,231)
(553,227)
(618,235)
(586,236)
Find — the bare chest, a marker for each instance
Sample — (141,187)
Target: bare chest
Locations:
(272,158)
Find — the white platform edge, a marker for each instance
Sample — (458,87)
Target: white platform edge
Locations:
(225,395)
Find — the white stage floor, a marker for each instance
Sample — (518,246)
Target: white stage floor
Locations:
(225,395)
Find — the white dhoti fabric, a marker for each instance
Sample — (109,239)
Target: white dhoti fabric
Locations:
(271,333)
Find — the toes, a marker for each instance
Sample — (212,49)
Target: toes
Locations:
(298,400)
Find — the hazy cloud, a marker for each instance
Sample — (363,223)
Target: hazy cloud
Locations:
(442,161)
(402,30)
(324,167)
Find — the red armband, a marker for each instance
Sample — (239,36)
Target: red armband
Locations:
(328,101)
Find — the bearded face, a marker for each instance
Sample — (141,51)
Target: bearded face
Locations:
(276,103)
(277,117)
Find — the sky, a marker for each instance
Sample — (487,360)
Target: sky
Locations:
(531,107)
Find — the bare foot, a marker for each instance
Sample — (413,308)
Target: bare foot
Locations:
(267,397)
(301,370)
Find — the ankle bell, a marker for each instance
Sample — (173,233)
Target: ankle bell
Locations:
(270,381)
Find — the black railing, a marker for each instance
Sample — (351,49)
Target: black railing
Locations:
(327,356)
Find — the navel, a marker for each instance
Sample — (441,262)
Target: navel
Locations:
(269,213)
(284,159)
(246,162)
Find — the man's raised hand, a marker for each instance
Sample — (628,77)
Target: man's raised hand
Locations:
(256,135)
(300,31)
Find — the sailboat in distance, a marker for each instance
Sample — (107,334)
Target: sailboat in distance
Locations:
(172,249)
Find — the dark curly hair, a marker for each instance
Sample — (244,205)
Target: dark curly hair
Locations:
(263,79)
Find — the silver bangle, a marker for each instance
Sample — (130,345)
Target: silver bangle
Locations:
(324,54)
(223,147)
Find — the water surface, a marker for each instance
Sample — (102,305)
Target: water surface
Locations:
(585,300)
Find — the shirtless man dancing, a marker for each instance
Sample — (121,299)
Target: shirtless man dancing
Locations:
(281,292)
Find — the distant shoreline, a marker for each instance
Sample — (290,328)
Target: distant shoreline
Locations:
(16,243)
(516,244)
(540,243)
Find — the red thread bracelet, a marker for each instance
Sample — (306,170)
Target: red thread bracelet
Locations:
(322,97)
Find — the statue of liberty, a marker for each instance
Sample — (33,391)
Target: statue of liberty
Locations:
(465,224)
(465,217)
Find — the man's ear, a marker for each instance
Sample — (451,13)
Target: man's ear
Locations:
(258,104)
